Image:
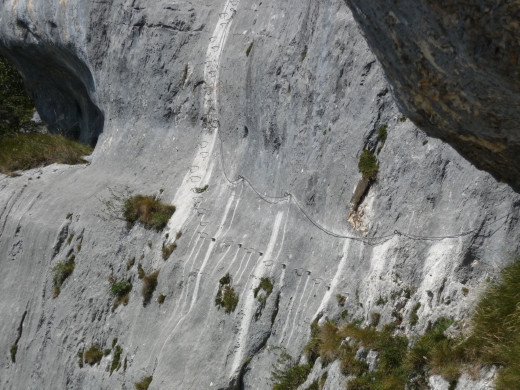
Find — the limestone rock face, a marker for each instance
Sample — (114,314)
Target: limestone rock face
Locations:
(270,104)
(454,67)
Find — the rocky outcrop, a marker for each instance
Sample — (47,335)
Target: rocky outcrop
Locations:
(454,67)
(269,105)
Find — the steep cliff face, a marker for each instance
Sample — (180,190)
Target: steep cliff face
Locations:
(455,71)
(270,105)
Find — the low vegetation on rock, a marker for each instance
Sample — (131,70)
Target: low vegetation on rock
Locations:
(121,290)
(149,286)
(93,355)
(144,383)
(493,340)
(148,211)
(13,351)
(20,146)
(263,290)
(226,297)
(61,272)
(368,164)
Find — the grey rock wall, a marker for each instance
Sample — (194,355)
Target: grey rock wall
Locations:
(454,69)
(276,135)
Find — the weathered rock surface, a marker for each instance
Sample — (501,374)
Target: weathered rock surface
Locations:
(454,67)
(270,104)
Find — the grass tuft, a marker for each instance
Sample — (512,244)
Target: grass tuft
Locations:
(61,272)
(265,285)
(13,350)
(148,211)
(93,355)
(368,164)
(149,286)
(144,383)
(226,297)
(167,250)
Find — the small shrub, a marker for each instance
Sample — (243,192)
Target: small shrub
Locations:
(116,362)
(178,235)
(140,271)
(121,288)
(413,314)
(382,134)
(226,297)
(381,301)
(61,272)
(267,286)
(13,350)
(167,250)
(465,291)
(121,291)
(161,299)
(248,51)
(402,118)
(375,318)
(144,383)
(313,386)
(93,355)
(200,190)
(368,164)
(106,352)
(287,374)
(149,286)
(148,211)
(341,300)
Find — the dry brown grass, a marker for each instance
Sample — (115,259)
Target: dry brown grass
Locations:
(148,211)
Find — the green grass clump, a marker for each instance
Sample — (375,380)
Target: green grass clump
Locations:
(494,340)
(61,272)
(121,291)
(130,263)
(287,374)
(341,300)
(143,383)
(13,350)
(248,51)
(414,318)
(267,286)
(32,150)
(116,362)
(496,328)
(226,297)
(168,249)
(382,134)
(161,299)
(200,190)
(93,355)
(368,164)
(148,211)
(149,286)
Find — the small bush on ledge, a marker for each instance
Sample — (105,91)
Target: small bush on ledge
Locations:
(144,383)
(368,164)
(121,291)
(149,286)
(226,296)
(61,272)
(148,211)
(267,286)
(93,355)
